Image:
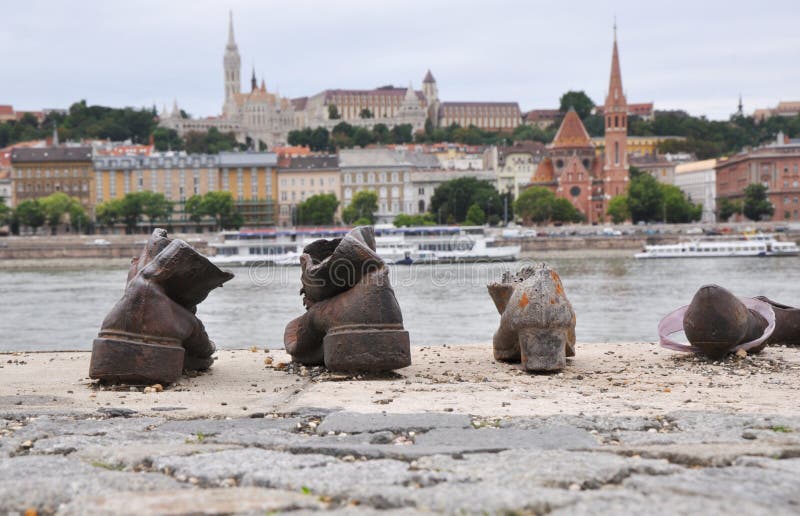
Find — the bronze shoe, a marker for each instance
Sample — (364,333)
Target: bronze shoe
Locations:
(537,323)
(787,323)
(152,334)
(353,321)
(717,323)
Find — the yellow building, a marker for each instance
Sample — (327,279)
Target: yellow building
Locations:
(301,177)
(639,146)
(251,177)
(39,172)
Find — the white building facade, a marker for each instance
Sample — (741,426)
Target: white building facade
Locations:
(698,180)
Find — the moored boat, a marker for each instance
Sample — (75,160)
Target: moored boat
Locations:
(759,245)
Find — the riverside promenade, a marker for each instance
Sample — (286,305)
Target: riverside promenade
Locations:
(626,428)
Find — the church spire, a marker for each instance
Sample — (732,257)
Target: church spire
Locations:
(253,81)
(741,108)
(231,38)
(616,95)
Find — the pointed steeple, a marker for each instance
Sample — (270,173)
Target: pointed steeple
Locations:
(253,82)
(231,38)
(175,111)
(263,86)
(428,78)
(740,112)
(616,95)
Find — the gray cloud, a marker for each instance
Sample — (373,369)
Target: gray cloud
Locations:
(692,55)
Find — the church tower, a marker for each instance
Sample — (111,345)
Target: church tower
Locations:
(232,65)
(431,92)
(615,166)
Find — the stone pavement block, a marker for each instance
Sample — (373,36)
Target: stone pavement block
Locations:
(43,482)
(496,439)
(69,443)
(774,488)
(237,500)
(546,468)
(322,475)
(134,454)
(627,502)
(50,426)
(218,426)
(354,422)
(710,454)
(216,467)
(486,498)
(788,465)
(598,423)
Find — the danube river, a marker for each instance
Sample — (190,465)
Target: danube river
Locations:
(616,299)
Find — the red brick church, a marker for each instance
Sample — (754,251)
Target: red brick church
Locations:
(571,167)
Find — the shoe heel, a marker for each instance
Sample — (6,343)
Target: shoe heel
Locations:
(367,348)
(543,349)
(125,360)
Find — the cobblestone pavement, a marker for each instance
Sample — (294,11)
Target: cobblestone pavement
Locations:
(119,461)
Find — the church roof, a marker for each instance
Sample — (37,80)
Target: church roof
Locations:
(386,91)
(572,133)
(428,78)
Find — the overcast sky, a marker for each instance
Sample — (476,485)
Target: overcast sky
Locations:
(694,55)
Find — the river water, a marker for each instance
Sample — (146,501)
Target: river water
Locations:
(616,299)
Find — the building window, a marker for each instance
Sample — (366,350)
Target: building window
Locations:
(616,153)
(239,184)
(421,191)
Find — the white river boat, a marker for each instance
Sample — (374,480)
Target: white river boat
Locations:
(760,245)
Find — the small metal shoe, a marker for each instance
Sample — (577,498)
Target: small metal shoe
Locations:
(353,321)
(717,323)
(152,334)
(787,323)
(537,322)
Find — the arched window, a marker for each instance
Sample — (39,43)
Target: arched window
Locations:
(616,120)
(616,153)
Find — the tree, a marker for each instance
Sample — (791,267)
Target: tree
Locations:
(166,139)
(156,207)
(320,139)
(193,207)
(475,216)
(577,100)
(333,112)
(564,211)
(756,204)
(221,206)
(535,204)
(403,220)
(727,208)
(365,113)
(318,209)
(109,212)
(677,208)
(5,212)
(645,197)
(131,208)
(362,208)
(59,205)
(30,213)
(453,199)
(618,209)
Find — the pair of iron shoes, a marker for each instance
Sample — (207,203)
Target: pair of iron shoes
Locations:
(717,323)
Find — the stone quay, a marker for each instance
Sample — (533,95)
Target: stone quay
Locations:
(624,428)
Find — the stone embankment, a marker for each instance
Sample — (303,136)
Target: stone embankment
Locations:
(626,428)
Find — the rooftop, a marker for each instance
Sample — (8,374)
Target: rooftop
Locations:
(33,155)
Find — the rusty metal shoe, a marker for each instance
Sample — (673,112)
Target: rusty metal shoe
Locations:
(787,323)
(353,321)
(537,322)
(152,334)
(717,323)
